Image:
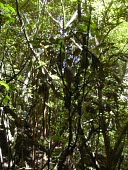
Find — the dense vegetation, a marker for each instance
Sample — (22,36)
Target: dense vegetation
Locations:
(63,84)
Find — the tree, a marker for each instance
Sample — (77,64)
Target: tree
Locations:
(63,90)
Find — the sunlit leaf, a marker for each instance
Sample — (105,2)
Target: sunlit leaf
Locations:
(6,100)
(1,5)
(54,77)
(50,104)
(11,9)
(5,85)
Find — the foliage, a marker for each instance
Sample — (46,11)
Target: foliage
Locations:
(63,85)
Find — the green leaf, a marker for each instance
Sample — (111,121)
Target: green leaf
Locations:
(7,8)
(1,5)
(50,104)
(93,26)
(82,27)
(7,15)
(6,100)
(11,9)
(5,85)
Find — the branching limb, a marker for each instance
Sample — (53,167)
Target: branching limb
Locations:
(24,30)
(53,18)
(63,11)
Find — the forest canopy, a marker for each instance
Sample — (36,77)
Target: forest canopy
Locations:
(64,84)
